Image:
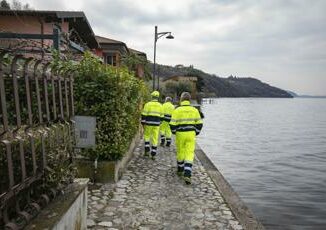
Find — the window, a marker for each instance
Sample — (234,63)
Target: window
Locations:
(111,59)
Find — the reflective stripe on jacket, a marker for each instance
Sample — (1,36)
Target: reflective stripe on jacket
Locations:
(186,118)
(168,108)
(152,113)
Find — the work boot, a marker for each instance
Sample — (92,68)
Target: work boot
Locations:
(162,140)
(153,157)
(187,180)
(146,154)
(180,171)
(154,151)
(147,149)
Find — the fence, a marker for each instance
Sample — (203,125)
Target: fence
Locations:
(36,136)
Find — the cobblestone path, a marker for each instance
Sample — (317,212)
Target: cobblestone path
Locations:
(150,195)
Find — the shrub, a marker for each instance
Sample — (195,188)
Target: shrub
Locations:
(114,96)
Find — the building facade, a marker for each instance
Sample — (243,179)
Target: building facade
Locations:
(34,30)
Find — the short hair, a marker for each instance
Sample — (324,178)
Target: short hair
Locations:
(168,99)
(185,96)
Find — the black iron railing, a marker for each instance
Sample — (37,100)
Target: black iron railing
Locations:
(36,136)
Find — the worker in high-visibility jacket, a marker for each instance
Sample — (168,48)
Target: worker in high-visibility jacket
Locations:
(151,117)
(185,123)
(165,130)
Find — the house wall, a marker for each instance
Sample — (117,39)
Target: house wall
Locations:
(186,79)
(25,24)
(29,25)
(99,53)
(140,71)
(116,56)
(113,49)
(191,80)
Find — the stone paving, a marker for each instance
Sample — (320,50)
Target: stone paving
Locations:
(150,195)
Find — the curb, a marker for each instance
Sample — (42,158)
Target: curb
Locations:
(238,207)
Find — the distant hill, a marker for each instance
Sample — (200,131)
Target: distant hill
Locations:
(310,96)
(305,96)
(292,93)
(212,85)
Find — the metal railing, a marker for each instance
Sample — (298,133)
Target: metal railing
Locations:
(36,136)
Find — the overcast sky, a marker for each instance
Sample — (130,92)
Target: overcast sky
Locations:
(281,42)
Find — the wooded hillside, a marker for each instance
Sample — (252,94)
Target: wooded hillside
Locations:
(212,85)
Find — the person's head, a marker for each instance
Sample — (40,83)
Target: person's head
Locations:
(185,96)
(155,94)
(168,99)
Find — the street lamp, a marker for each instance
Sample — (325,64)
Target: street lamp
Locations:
(156,37)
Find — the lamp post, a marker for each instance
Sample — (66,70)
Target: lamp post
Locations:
(157,36)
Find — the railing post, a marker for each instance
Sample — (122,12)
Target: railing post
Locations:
(54,105)
(16,93)
(56,39)
(3,95)
(28,91)
(45,85)
(37,89)
(60,93)
(66,77)
(72,114)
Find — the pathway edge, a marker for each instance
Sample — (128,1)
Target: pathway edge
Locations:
(244,215)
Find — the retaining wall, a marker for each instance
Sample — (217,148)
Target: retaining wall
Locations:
(67,211)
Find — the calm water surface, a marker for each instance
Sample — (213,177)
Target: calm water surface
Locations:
(273,153)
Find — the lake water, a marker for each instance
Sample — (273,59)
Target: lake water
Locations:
(273,153)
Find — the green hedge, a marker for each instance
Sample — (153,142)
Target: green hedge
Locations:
(114,96)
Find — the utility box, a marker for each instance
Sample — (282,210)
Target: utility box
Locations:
(85,127)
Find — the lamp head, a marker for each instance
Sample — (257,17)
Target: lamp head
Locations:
(169,36)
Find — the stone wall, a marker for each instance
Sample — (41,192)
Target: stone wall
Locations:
(122,164)
(67,211)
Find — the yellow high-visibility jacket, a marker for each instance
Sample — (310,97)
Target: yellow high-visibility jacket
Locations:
(186,118)
(168,108)
(152,113)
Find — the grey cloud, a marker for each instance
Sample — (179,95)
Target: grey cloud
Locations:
(277,40)
(44,5)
